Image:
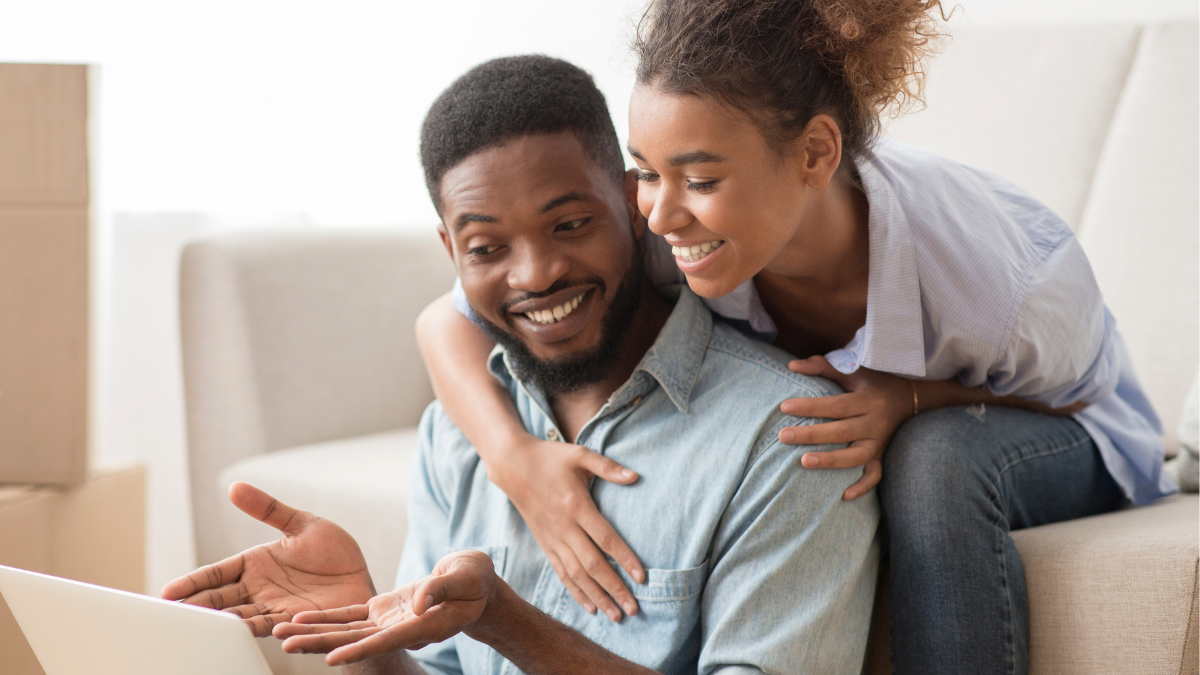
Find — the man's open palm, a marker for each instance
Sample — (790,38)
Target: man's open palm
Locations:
(316,566)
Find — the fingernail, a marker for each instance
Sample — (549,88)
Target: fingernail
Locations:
(591,609)
(850,494)
(627,473)
(613,615)
(639,575)
(786,436)
(630,608)
(810,461)
(428,601)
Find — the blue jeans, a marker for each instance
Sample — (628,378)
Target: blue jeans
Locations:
(955,482)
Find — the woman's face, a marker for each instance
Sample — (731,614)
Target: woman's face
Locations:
(710,180)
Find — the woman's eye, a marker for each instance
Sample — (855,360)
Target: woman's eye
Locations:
(701,187)
(484,250)
(572,224)
(647,177)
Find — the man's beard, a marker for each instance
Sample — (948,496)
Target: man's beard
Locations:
(572,373)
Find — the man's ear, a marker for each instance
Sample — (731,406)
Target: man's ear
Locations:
(447,242)
(631,205)
(818,151)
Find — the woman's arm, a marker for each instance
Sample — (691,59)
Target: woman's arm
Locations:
(548,482)
(874,406)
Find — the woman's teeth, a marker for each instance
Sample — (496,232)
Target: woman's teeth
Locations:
(549,316)
(694,253)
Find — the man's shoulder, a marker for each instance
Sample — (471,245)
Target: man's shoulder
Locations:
(751,364)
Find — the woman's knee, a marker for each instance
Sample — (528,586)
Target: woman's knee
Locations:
(934,458)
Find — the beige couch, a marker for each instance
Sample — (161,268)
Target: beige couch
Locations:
(302,374)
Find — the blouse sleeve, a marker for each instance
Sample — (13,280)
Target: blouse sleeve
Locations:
(1062,348)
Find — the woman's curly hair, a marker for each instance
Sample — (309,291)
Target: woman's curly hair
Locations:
(785,61)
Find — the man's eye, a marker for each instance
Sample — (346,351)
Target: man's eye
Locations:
(484,250)
(647,177)
(701,187)
(572,224)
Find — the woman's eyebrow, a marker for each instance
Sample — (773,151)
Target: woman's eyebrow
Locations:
(693,157)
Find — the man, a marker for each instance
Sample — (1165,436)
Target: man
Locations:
(753,563)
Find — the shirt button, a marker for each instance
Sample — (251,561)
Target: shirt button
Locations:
(552,435)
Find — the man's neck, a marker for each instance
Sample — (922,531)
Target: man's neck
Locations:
(572,411)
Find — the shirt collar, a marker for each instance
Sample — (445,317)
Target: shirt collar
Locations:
(675,358)
(893,337)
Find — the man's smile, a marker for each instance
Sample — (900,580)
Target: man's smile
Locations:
(556,317)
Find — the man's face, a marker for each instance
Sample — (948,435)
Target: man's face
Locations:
(546,248)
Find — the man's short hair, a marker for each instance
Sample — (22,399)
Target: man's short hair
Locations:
(515,96)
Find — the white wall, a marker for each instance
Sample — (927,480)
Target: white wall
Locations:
(220,115)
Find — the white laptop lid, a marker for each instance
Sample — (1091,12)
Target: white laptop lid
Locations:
(77,628)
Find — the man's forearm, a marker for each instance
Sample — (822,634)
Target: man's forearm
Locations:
(540,645)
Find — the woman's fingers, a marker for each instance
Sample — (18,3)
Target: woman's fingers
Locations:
(830,407)
(600,531)
(585,578)
(575,590)
(857,453)
(838,431)
(872,472)
(818,366)
(210,576)
(603,467)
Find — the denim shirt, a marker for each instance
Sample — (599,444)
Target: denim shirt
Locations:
(754,563)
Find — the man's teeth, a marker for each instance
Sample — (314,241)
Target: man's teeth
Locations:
(549,316)
(694,253)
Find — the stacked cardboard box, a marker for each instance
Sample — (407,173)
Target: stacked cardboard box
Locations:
(44,267)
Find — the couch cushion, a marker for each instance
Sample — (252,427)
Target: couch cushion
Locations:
(1030,103)
(1140,226)
(359,483)
(1113,593)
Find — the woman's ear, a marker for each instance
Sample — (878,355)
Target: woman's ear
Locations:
(818,151)
(636,221)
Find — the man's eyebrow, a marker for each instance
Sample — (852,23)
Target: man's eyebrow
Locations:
(564,199)
(465,218)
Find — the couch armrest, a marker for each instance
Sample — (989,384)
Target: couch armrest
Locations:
(292,337)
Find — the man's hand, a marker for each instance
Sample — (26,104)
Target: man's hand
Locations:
(865,417)
(451,600)
(316,566)
(548,482)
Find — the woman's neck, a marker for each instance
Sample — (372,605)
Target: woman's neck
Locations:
(816,288)
(830,251)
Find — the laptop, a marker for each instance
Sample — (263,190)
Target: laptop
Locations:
(77,628)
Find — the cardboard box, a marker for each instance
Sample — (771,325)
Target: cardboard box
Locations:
(44,272)
(94,532)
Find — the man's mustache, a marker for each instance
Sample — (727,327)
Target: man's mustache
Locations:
(554,288)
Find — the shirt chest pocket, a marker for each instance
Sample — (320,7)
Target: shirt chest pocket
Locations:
(664,635)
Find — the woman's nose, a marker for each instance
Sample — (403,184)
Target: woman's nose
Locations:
(666,212)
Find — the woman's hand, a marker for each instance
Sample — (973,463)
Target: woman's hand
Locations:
(865,417)
(548,482)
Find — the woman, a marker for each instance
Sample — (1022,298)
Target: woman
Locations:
(986,383)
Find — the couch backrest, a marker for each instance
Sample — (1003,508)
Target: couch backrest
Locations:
(1100,123)
(293,337)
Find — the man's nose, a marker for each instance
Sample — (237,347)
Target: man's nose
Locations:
(536,267)
(667,212)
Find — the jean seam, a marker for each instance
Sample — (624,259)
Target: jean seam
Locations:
(1010,633)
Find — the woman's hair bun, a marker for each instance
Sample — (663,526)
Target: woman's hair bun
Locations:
(784,61)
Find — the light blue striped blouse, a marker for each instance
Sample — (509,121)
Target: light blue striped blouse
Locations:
(970,277)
